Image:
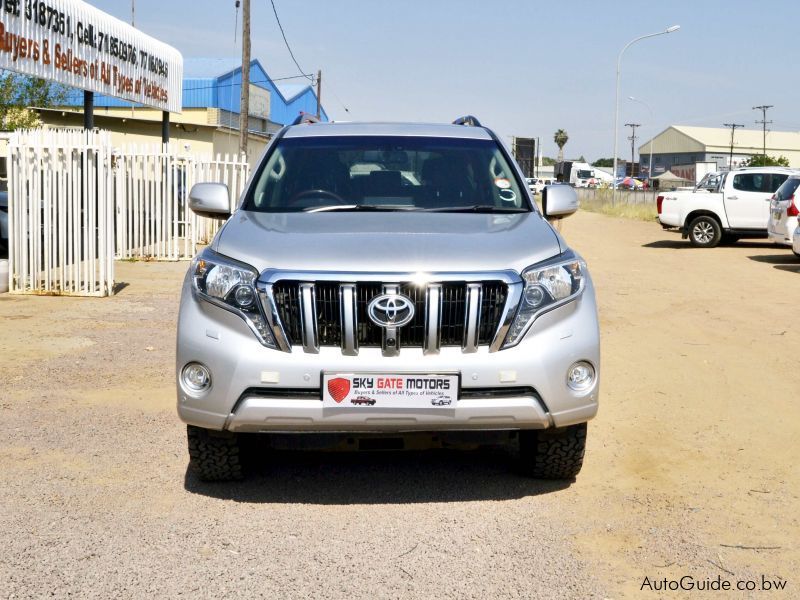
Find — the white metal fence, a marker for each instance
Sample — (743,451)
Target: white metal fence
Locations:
(606,196)
(75,205)
(60,216)
(153,220)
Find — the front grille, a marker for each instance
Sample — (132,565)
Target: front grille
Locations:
(329,314)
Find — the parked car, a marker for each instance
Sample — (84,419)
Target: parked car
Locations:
(796,242)
(783,212)
(323,284)
(736,206)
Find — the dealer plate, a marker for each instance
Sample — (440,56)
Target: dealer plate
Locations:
(390,390)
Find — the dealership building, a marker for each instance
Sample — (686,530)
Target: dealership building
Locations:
(681,145)
(209,120)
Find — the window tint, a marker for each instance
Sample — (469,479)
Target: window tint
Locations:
(776,180)
(749,182)
(759,182)
(402,173)
(788,188)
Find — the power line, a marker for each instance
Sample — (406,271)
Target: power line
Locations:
(763,108)
(285,41)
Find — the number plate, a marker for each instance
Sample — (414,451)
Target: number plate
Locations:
(390,390)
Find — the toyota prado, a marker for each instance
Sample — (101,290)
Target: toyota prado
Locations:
(377,280)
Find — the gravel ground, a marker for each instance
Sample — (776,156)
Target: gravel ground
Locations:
(691,455)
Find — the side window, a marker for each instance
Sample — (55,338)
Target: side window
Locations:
(776,181)
(749,182)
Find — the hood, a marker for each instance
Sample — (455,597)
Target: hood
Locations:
(387,242)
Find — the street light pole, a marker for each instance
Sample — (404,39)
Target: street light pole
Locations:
(650,110)
(616,96)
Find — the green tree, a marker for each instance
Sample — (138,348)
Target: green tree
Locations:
(19,93)
(547,161)
(560,137)
(760,160)
(603,162)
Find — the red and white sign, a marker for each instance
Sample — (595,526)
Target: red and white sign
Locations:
(75,44)
(390,390)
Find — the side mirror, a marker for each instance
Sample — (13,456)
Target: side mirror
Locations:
(559,201)
(210,200)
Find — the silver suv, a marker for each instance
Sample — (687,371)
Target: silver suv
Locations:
(403,263)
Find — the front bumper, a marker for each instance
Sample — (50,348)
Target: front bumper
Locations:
(256,389)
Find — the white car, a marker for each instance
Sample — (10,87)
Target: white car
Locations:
(796,242)
(783,211)
(735,205)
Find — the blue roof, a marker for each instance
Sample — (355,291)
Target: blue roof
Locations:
(217,82)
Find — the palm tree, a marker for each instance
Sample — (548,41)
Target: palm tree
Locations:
(560,138)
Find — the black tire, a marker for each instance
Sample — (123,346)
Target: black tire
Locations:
(214,455)
(552,453)
(705,232)
(797,254)
(728,238)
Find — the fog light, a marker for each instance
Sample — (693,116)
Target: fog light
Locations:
(580,376)
(196,377)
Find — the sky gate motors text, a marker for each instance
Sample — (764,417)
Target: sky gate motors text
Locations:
(400,383)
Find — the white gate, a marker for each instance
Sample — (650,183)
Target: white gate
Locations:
(60,213)
(152,184)
(75,205)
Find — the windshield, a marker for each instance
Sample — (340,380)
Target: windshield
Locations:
(583,174)
(385,173)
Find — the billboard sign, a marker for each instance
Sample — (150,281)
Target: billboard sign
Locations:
(525,153)
(72,43)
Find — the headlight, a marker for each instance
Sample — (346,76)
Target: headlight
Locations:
(231,285)
(547,286)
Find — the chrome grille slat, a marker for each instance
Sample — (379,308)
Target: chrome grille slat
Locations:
(347,303)
(308,318)
(472,317)
(433,318)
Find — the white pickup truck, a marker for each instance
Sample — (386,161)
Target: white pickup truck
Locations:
(724,206)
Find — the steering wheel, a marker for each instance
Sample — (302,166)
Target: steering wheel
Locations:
(324,193)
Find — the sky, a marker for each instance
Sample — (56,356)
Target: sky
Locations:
(523,68)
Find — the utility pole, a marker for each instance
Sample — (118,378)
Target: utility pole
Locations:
(763,108)
(733,127)
(319,94)
(244,109)
(632,138)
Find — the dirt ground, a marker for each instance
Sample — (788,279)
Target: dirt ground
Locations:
(691,466)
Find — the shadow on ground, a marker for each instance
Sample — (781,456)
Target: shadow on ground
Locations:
(786,258)
(313,477)
(680,244)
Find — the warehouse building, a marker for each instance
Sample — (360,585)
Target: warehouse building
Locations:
(679,146)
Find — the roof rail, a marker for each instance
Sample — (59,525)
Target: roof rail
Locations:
(304,117)
(467,120)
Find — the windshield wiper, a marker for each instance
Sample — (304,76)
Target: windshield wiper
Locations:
(358,208)
(478,208)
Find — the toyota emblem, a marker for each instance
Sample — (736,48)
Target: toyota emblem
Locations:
(391,310)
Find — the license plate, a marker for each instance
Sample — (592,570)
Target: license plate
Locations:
(390,390)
